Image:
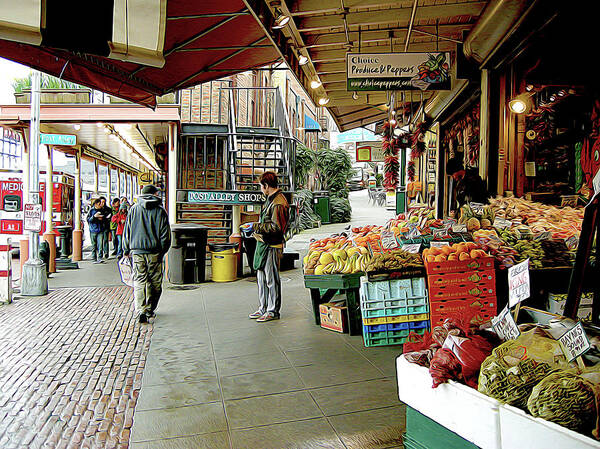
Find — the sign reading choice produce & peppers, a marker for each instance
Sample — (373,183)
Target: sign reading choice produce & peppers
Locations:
(398,71)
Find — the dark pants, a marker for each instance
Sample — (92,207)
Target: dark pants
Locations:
(105,245)
(115,241)
(97,244)
(119,240)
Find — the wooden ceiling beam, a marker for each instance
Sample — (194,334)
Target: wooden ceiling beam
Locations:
(390,16)
(312,7)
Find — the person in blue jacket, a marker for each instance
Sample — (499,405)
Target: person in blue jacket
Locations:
(97,223)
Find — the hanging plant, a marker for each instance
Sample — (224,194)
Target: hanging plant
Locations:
(410,171)
(417,140)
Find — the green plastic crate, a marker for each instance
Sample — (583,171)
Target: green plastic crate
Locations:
(424,433)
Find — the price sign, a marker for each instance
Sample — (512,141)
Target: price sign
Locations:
(596,183)
(505,326)
(459,228)
(439,244)
(388,240)
(413,248)
(477,208)
(449,222)
(413,232)
(32,217)
(501,223)
(439,232)
(518,283)
(574,342)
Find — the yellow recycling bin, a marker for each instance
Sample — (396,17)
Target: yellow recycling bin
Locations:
(224,261)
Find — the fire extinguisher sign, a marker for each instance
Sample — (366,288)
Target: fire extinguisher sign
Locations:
(32,217)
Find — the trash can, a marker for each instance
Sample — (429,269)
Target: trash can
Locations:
(224,261)
(321,205)
(187,255)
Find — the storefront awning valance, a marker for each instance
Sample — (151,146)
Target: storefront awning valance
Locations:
(311,125)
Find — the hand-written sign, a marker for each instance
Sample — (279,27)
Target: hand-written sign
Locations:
(546,235)
(458,228)
(574,342)
(477,208)
(505,325)
(440,232)
(413,248)
(32,217)
(388,240)
(518,283)
(439,244)
(413,231)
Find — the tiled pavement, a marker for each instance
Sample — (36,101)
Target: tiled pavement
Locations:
(70,369)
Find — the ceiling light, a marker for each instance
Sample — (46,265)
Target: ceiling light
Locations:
(393,112)
(315,84)
(529,87)
(354,95)
(393,122)
(521,103)
(302,60)
(106,130)
(323,101)
(99,124)
(77,126)
(552,97)
(281,19)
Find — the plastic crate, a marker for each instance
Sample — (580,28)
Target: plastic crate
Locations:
(396,319)
(392,289)
(411,325)
(393,311)
(390,337)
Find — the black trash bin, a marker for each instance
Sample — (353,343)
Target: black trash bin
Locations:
(187,255)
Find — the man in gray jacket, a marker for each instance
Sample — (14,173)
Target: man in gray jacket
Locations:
(147,237)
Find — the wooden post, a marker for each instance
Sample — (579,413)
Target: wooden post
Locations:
(77,228)
(49,235)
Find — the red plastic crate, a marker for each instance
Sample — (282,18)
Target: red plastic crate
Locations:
(482,289)
(449,279)
(457,266)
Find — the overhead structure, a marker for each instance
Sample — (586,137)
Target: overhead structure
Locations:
(136,50)
(322,32)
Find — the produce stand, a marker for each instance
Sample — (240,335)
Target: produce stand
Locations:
(478,420)
(349,283)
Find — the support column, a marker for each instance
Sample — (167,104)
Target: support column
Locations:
(77,228)
(49,235)
(24,243)
(484,125)
(34,281)
(172,174)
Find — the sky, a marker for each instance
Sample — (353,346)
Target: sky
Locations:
(8,72)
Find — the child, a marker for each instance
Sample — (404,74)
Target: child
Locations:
(119,219)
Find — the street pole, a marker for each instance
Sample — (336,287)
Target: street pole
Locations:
(34,281)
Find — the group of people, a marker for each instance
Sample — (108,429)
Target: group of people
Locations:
(107,223)
(143,234)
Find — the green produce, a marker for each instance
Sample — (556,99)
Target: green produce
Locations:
(306,215)
(566,399)
(530,249)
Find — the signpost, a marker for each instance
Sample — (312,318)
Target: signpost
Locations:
(58,139)
(398,71)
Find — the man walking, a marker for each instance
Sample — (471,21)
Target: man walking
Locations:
(147,237)
(96,221)
(269,233)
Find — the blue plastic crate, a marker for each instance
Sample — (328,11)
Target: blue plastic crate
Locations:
(418,324)
(376,328)
(398,326)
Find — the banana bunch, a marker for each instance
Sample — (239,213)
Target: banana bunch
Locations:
(339,261)
(508,237)
(393,260)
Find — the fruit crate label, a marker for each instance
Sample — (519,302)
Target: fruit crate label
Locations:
(574,342)
(413,248)
(388,240)
(518,283)
(501,223)
(505,326)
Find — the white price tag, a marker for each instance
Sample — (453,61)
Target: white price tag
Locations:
(501,223)
(505,326)
(438,244)
(413,248)
(518,283)
(596,183)
(574,342)
(459,228)
(388,240)
(477,208)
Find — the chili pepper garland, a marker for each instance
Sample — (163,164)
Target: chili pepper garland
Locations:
(392,165)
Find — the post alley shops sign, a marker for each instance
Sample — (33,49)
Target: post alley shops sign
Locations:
(220,197)
(398,71)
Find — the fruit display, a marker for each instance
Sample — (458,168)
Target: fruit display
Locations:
(532,250)
(561,222)
(498,244)
(394,259)
(342,259)
(459,251)
(556,254)
(475,220)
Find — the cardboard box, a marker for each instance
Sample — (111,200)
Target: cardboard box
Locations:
(452,279)
(482,289)
(557,302)
(457,266)
(334,316)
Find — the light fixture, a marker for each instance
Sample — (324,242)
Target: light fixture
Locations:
(393,122)
(77,126)
(393,112)
(302,60)
(521,103)
(323,101)
(561,93)
(354,95)
(315,84)
(281,19)
(552,97)
(397,132)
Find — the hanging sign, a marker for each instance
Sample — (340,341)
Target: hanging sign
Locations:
(223,197)
(369,151)
(574,342)
(32,217)
(58,139)
(145,178)
(518,283)
(398,71)
(505,326)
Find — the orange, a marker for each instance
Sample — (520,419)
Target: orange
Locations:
(471,245)
(453,256)
(460,247)
(440,258)
(435,251)
(446,250)
(464,256)
(430,258)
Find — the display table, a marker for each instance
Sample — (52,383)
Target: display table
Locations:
(475,417)
(331,283)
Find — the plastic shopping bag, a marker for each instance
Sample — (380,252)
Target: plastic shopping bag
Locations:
(126,271)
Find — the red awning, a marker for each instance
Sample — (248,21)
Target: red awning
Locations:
(204,40)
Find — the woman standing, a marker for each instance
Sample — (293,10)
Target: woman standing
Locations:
(119,220)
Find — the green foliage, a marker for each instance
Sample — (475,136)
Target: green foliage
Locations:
(47,82)
(340,210)
(335,169)
(379,179)
(305,164)
(307,219)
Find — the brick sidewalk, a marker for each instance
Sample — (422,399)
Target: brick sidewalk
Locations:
(71,366)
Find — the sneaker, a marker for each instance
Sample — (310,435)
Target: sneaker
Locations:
(98,261)
(255,315)
(267,317)
(142,318)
